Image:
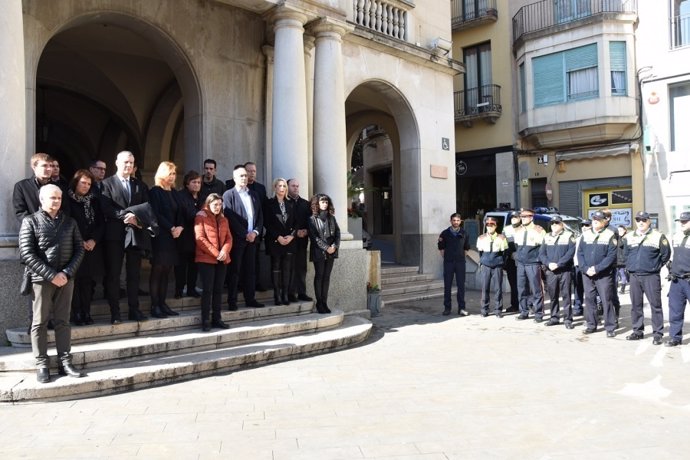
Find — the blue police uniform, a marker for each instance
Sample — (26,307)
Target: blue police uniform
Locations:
(598,250)
(453,244)
(679,292)
(559,248)
(528,238)
(492,248)
(645,254)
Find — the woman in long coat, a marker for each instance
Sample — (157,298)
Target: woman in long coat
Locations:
(279,221)
(192,202)
(324,234)
(85,208)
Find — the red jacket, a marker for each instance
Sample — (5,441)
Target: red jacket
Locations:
(212,234)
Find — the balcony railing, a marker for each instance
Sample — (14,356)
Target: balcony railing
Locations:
(483,102)
(680,31)
(471,13)
(382,17)
(549,13)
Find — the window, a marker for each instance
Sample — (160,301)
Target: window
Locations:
(618,68)
(680,113)
(566,76)
(680,23)
(477,77)
(523,89)
(569,10)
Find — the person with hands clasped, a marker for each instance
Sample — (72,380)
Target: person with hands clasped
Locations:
(324,234)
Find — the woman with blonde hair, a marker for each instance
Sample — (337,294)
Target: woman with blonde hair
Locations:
(213,244)
(166,205)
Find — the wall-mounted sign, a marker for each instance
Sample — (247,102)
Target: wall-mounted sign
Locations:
(461,168)
(598,200)
(445,143)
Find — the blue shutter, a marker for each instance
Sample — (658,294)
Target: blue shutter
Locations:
(583,57)
(549,83)
(523,89)
(617,52)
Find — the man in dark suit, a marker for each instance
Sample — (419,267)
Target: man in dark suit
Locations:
(118,193)
(97,168)
(243,209)
(25,196)
(298,287)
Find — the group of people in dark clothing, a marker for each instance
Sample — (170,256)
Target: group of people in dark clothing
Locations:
(592,263)
(208,229)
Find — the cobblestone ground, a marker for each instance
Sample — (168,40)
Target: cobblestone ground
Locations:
(424,386)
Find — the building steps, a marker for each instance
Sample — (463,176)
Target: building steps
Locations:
(401,284)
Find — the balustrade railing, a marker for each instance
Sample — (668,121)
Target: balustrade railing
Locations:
(548,13)
(381,16)
(680,31)
(465,11)
(476,102)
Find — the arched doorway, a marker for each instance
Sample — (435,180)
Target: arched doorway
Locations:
(110,82)
(382,129)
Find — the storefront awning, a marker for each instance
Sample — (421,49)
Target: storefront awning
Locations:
(605,151)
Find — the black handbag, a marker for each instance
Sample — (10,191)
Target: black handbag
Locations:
(27,286)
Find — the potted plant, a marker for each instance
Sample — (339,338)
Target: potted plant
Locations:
(374,299)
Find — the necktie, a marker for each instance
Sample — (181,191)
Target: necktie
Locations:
(128,191)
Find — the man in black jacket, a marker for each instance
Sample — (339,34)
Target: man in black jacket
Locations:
(25,196)
(453,245)
(298,288)
(52,249)
(119,192)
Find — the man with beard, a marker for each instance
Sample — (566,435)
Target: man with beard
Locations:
(453,245)
(492,248)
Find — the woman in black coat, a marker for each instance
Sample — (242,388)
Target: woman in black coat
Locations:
(324,234)
(186,269)
(279,221)
(166,204)
(85,208)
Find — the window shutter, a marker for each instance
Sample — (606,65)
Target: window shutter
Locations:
(581,58)
(617,52)
(549,83)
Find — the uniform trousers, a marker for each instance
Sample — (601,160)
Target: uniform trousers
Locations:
(492,281)
(578,290)
(48,299)
(511,272)
(678,297)
(559,284)
(603,286)
(454,270)
(646,285)
(530,289)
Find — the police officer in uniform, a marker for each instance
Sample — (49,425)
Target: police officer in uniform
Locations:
(597,258)
(492,248)
(679,293)
(556,256)
(510,266)
(645,250)
(528,239)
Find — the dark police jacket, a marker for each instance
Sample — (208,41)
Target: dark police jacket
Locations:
(597,250)
(453,245)
(681,254)
(558,249)
(492,249)
(528,239)
(645,254)
(49,246)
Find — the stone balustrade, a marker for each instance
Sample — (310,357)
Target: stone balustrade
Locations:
(381,16)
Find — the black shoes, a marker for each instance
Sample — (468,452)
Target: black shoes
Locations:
(193,293)
(538,319)
(115,319)
(220,324)
(304,297)
(157,312)
(553,322)
(569,325)
(657,340)
(590,330)
(485,314)
(169,311)
(522,317)
(178,294)
(293,298)
(635,336)
(512,310)
(610,334)
(499,314)
(446,312)
(70,370)
(232,307)
(135,314)
(254,304)
(674,342)
(43,375)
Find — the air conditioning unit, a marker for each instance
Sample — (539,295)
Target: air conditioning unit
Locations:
(441,46)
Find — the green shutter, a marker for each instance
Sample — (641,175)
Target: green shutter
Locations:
(549,82)
(617,52)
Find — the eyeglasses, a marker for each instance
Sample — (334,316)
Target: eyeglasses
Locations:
(639,219)
(490,225)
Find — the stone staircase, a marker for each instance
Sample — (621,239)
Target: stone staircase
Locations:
(135,355)
(401,284)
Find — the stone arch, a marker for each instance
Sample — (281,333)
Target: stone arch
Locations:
(380,103)
(158,119)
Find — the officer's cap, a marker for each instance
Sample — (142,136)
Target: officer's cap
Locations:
(490,220)
(587,223)
(598,215)
(684,216)
(515,214)
(642,215)
(526,212)
(556,219)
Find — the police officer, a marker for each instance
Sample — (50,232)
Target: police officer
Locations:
(556,256)
(645,250)
(597,258)
(453,245)
(679,293)
(510,266)
(528,238)
(492,248)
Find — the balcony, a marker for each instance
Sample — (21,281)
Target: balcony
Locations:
(680,31)
(473,104)
(472,13)
(385,17)
(549,14)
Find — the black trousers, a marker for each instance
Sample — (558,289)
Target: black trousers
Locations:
(322,279)
(558,285)
(603,286)
(492,280)
(578,289)
(299,267)
(530,289)
(114,255)
(81,297)
(454,270)
(650,286)
(511,272)
(212,277)
(243,260)
(158,284)
(186,273)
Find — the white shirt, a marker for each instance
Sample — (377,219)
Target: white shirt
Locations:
(248,207)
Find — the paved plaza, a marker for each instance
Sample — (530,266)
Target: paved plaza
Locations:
(424,386)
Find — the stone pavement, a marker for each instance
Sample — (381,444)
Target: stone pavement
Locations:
(424,386)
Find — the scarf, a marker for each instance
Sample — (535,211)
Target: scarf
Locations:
(85,201)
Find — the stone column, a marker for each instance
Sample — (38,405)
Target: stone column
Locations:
(330,149)
(268,52)
(13,155)
(290,144)
(307,183)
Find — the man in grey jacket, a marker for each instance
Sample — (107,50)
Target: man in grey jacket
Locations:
(51,248)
